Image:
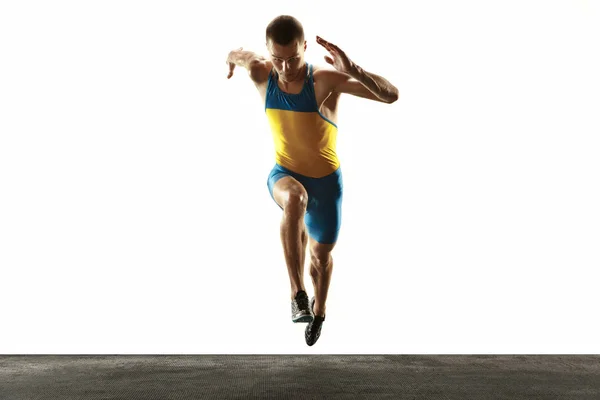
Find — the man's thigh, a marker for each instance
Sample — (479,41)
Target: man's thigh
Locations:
(324,213)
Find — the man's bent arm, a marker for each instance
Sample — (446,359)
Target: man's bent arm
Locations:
(378,85)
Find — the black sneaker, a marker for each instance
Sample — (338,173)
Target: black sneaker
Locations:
(300,310)
(313,329)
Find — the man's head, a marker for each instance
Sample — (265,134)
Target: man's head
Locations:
(286,46)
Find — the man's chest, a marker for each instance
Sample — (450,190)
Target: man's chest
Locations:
(327,101)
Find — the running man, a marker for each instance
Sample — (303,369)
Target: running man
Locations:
(301,102)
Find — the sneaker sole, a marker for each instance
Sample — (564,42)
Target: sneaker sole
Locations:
(303,318)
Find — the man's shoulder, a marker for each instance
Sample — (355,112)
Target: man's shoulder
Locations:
(260,70)
(319,70)
(326,72)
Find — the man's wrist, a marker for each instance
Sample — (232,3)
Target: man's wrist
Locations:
(355,71)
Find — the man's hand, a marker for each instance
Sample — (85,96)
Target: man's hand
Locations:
(231,65)
(338,59)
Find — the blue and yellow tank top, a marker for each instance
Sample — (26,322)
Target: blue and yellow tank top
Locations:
(305,141)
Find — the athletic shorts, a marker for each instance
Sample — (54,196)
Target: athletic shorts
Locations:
(323,216)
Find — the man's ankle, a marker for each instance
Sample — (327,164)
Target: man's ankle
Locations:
(294,294)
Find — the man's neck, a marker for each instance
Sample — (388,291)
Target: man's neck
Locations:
(299,78)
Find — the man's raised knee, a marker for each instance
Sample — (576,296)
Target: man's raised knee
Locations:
(296,201)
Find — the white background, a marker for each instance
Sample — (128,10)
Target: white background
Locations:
(134,211)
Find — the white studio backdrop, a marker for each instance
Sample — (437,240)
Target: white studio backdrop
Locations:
(134,211)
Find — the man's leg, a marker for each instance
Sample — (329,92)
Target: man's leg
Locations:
(323,222)
(293,199)
(321,268)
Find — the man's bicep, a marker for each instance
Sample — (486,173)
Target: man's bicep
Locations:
(355,88)
(340,82)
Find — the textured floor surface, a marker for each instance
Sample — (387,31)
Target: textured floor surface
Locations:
(28,377)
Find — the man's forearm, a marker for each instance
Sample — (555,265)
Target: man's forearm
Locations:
(243,58)
(380,86)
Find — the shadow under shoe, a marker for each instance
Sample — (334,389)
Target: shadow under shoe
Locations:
(313,329)
(301,312)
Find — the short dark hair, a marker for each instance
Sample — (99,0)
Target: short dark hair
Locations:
(284,29)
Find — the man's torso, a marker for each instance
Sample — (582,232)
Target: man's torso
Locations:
(304,128)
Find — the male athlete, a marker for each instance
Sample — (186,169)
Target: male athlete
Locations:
(306,182)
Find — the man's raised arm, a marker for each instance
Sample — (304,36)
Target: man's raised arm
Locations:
(364,84)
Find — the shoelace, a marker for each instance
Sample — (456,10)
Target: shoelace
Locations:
(314,326)
(302,303)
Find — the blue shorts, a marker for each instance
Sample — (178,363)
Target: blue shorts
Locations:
(323,216)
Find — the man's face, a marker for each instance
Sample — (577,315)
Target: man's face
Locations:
(287,60)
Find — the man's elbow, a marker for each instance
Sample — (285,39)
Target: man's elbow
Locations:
(393,97)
